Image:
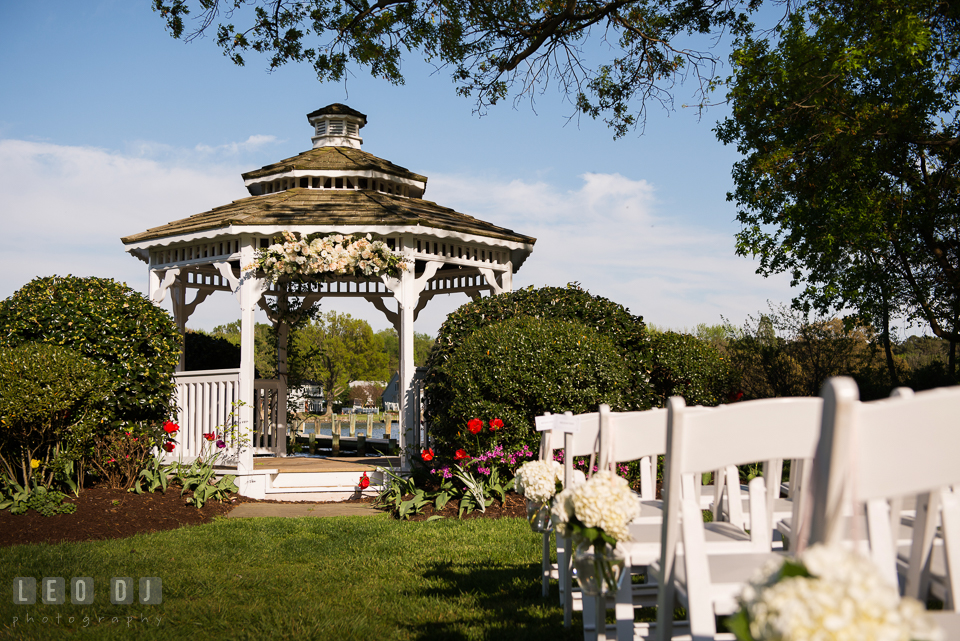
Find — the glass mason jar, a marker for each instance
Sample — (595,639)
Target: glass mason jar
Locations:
(599,569)
(538,514)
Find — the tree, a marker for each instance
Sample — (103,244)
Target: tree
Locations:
(492,47)
(422,344)
(336,349)
(848,121)
(264,346)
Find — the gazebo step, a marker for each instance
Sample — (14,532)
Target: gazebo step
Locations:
(322,479)
(320,494)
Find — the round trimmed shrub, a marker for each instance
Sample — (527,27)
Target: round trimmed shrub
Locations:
(689,367)
(50,397)
(136,343)
(626,332)
(522,367)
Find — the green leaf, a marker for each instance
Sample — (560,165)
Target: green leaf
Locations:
(739,625)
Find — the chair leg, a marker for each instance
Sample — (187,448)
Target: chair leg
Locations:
(589,618)
(545,579)
(566,579)
(600,617)
(624,609)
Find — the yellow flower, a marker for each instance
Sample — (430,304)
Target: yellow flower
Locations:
(34,463)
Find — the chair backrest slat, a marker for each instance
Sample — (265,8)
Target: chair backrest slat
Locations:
(908,444)
(761,430)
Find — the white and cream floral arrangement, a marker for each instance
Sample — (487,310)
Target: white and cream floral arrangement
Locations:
(333,255)
(596,515)
(829,594)
(538,481)
(598,510)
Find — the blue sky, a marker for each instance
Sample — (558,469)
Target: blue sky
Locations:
(108,126)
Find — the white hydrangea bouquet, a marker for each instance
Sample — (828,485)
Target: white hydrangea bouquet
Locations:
(538,481)
(596,514)
(333,255)
(828,594)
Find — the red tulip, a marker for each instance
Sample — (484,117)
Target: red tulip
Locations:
(209,435)
(427,454)
(364,481)
(495,424)
(168,446)
(460,455)
(475,425)
(170,427)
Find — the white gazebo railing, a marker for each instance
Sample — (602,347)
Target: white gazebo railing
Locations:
(206,402)
(269,419)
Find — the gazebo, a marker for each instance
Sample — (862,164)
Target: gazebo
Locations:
(334,188)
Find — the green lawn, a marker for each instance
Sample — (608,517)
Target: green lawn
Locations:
(368,578)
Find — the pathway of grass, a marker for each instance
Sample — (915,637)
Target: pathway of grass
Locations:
(369,578)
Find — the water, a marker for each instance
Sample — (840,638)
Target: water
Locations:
(379,430)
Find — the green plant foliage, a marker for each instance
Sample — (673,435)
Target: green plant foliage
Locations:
(203,351)
(626,332)
(687,366)
(135,342)
(403,497)
(264,347)
(846,117)
(119,456)
(50,399)
(335,349)
(520,368)
(493,50)
(46,502)
(200,478)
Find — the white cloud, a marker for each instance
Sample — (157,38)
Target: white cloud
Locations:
(250,144)
(610,234)
(66,208)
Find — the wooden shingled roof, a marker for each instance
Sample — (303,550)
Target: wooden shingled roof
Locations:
(335,158)
(302,207)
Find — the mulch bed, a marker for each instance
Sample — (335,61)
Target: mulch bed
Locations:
(103,513)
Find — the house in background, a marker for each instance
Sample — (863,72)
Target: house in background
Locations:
(391,395)
(308,398)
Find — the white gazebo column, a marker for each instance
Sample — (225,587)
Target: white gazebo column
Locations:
(250,291)
(407,290)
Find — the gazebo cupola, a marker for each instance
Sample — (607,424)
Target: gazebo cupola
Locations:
(333,188)
(336,162)
(337,126)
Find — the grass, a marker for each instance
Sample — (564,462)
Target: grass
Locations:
(308,578)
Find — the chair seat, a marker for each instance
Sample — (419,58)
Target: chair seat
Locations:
(644,548)
(949,622)
(782,509)
(937,568)
(858,530)
(650,512)
(728,574)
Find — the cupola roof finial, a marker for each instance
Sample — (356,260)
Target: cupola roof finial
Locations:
(337,125)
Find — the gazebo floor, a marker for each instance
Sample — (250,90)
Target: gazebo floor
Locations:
(287,464)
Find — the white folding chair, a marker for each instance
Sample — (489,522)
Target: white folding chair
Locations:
(581,442)
(550,441)
(625,437)
(707,578)
(871,453)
